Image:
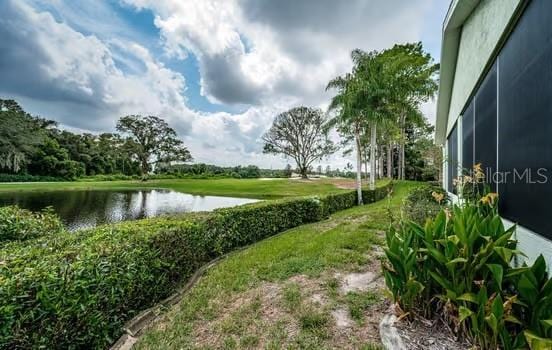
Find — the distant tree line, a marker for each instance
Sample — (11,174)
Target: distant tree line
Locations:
(202,170)
(35,147)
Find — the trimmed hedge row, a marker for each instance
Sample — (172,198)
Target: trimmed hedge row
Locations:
(18,224)
(29,178)
(76,290)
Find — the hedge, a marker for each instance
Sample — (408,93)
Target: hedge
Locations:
(18,224)
(29,178)
(76,290)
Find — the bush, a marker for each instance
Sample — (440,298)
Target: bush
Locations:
(28,178)
(458,268)
(18,224)
(422,204)
(76,290)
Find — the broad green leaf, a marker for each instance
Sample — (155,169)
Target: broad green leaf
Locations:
(492,322)
(437,255)
(454,239)
(547,324)
(512,319)
(527,289)
(497,307)
(470,297)
(537,343)
(516,271)
(497,272)
(504,253)
(457,261)
(464,313)
(539,269)
(444,283)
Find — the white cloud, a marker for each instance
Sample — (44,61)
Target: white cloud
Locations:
(265,55)
(50,61)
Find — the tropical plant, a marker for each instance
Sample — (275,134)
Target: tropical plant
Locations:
(348,118)
(424,202)
(458,268)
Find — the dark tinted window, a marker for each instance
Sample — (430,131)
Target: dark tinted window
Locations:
(452,159)
(525,119)
(467,138)
(485,126)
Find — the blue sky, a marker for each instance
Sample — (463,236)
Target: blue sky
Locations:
(218,70)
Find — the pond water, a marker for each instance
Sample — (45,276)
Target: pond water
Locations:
(88,208)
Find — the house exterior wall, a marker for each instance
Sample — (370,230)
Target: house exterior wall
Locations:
(479,37)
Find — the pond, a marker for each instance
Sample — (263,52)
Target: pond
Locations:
(88,208)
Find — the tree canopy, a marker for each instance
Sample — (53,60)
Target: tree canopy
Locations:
(31,145)
(301,134)
(154,141)
(383,92)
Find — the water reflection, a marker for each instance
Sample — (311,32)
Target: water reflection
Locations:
(80,209)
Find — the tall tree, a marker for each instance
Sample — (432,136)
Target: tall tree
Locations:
(413,82)
(361,95)
(155,141)
(299,133)
(348,118)
(20,136)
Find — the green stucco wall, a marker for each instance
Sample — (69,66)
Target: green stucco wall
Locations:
(480,35)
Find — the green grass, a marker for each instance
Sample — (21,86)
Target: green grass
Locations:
(358,302)
(292,296)
(247,188)
(341,242)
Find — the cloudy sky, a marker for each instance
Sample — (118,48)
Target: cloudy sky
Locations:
(217,70)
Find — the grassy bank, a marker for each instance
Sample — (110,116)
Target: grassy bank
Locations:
(285,291)
(246,188)
(70,289)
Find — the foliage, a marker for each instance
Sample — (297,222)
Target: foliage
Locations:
(28,178)
(315,251)
(76,290)
(154,141)
(300,134)
(423,159)
(378,100)
(35,146)
(18,224)
(210,171)
(459,268)
(19,136)
(424,202)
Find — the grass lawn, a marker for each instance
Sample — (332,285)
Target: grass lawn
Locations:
(246,188)
(313,287)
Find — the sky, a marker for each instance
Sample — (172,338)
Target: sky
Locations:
(218,71)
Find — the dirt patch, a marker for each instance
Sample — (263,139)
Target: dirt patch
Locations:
(262,317)
(346,184)
(342,318)
(418,335)
(357,282)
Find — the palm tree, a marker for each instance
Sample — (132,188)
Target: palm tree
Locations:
(348,118)
(361,95)
(412,81)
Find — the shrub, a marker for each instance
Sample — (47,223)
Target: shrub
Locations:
(18,224)
(28,178)
(340,201)
(76,290)
(421,204)
(458,268)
